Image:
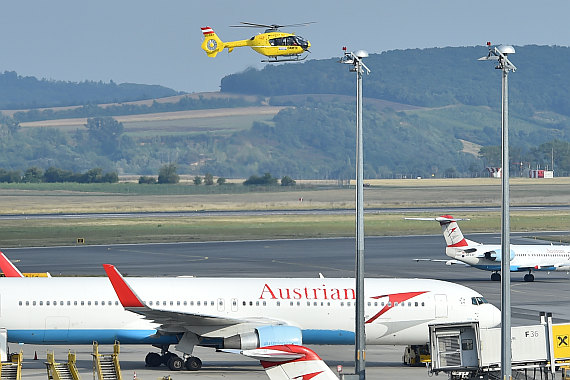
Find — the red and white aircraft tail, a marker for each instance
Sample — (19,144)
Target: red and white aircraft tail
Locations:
(451,232)
(8,268)
(287,362)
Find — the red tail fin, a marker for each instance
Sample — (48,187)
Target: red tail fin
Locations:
(8,268)
(451,232)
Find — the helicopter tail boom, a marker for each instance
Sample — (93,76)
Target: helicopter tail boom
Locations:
(212,44)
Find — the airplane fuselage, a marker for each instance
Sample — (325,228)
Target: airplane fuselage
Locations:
(81,310)
(535,257)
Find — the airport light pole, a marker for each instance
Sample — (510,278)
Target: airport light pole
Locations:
(500,54)
(355,59)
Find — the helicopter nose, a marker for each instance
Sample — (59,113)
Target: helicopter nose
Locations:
(306,45)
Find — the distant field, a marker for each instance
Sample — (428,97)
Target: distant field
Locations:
(130,197)
(148,102)
(171,122)
(74,198)
(50,232)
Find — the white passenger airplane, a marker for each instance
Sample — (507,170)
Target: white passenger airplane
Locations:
(523,258)
(222,313)
(289,362)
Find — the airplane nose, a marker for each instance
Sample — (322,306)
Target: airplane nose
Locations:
(496,316)
(490,317)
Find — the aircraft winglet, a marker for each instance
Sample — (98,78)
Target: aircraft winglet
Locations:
(291,362)
(8,268)
(126,294)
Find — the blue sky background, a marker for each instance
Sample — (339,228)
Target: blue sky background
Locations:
(158,42)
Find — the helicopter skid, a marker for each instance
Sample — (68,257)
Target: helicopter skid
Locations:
(286,59)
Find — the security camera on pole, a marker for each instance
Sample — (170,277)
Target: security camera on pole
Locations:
(500,53)
(355,59)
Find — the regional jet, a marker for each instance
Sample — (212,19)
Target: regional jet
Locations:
(523,258)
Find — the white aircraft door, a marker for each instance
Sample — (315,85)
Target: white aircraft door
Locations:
(440,306)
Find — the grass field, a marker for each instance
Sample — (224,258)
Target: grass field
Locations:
(127,197)
(63,198)
(171,122)
(49,232)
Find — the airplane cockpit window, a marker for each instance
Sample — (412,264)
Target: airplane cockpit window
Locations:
(478,300)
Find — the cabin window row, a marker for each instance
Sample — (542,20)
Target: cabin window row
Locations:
(68,303)
(328,303)
(389,304)
(182,303)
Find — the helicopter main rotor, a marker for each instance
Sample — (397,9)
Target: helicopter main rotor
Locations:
(272,27)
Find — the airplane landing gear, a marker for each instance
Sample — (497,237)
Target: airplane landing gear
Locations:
(529,277)
(173,361)
(153,359)
(193,363)
(496,277)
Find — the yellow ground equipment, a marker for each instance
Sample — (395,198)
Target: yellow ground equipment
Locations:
(62,371)
(12,370)
(106,366)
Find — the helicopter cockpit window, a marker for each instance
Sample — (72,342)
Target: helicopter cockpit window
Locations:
(276,42)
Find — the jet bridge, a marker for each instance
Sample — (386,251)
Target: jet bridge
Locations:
(465,351)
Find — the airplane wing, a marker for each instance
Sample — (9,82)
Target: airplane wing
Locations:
(287,362)
(537,267)
(8,268)
(172,321)
(447,262)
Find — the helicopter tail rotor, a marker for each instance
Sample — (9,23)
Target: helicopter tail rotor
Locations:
(212,44)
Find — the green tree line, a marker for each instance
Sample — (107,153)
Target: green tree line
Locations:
(17,92)
(54,175)
(431,77)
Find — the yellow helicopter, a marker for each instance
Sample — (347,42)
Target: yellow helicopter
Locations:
(275,45)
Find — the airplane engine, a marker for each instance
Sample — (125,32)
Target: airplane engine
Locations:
(265,336)
(495,255)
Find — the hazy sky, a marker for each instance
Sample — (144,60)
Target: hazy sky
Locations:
(158,42)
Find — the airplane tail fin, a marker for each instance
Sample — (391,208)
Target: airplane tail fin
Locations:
(451,231)
(8,268)
(212,44)
(287,362)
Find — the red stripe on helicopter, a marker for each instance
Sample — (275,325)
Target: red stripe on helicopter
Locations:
(207,30)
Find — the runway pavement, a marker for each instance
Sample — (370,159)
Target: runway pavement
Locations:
(385,257)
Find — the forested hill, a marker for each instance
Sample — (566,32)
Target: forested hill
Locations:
(426,77)
(18,92)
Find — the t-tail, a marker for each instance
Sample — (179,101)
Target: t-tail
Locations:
(451,232)
(287,362)
(212,44)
